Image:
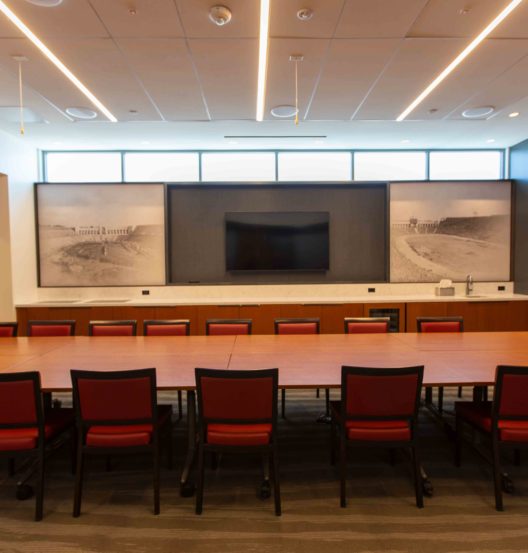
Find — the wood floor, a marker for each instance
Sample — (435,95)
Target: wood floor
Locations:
(381,516)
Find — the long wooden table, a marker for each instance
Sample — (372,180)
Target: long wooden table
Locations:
(465,359)
(458,359)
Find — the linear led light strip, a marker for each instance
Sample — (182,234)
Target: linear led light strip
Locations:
(263,57)
(460,58)
(55,60)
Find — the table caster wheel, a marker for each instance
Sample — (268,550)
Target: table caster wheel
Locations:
(24,491)
(187,489)
(265,490)
(427,487)
(507,484)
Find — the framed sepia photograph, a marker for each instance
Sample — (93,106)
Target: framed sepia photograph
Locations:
(448,230)
(100,234)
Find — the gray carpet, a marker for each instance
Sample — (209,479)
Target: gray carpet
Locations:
(381,515)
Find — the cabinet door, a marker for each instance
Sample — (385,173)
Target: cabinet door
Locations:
(263,317)
(333,316)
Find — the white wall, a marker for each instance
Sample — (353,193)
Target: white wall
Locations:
(20,163)
(7,311)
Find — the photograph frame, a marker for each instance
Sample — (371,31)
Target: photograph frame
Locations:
(152,243)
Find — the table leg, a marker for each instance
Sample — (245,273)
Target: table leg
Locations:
(187,488)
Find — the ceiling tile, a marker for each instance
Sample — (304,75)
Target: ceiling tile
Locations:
(456,18)
(227,69)
(285,23)
(351,69)
(152,19)
(74,18)
(166,70)
(196,24)
(378,18)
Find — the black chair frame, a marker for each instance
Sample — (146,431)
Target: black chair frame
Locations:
(345,443)
(83,426)
(269,451)
(167,322)
(131,323)
(500,479)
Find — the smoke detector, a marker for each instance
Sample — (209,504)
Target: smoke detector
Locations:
(305,14)
(220,15)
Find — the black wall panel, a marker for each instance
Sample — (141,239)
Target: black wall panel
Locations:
(358,229)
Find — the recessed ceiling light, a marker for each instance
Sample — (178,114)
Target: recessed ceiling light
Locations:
(514,114)
(81,113)
(460,58)
(145,142)
(45,3)
(283,112)
(305,14)
(490,140)
(405,141)
(263,57)
(54,59)
(478,112)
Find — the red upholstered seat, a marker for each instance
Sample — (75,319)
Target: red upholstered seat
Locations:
(57,421)
(441,326)
(166,330)
(8,330)
(297,328)
(367,328)
(113,330)
(116,410)
(231,329)
(50,330)
(238,434)
(378,407)
(26,429)
(238,412)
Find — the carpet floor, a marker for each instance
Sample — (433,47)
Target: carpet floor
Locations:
(381,516)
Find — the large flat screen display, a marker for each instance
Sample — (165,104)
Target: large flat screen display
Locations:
(277,241)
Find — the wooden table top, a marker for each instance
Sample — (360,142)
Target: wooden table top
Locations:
(303,361)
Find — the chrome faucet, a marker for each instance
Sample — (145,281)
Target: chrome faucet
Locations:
(469,285)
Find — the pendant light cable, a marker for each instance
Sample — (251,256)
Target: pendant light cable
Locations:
(21,98)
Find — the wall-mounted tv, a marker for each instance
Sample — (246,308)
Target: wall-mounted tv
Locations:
(277,241)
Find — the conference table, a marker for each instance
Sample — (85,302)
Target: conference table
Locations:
(314,361)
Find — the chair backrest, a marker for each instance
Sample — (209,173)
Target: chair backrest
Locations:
(51,328)
(8,330)
(372,393)
(174,327)
(367,325)
(233,396)
(440,324)
(21,401)
(112,328)
(511,391)
(297,326)
(114,397)
(227,327)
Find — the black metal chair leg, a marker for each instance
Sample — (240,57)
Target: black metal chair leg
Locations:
(342,470)
(440,399)
(274,467)
(327,402)
(77,495)
(200,483)
(458,441)
(156,477)
(418,490)
(283,400)
(39,489)
(460,391)
(517,457)
(10,466)
(497,476)
(180,405)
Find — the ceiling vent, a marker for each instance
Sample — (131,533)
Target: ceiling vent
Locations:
(45,3)
(283,112)
(478,112)
(81,113)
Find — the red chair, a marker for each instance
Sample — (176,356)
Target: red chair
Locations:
(175,327)
(112,328)
(367,325)
(248,424)
(8,330)
(378,407)
(505,420)
(51,328)
(227,327)
(299,326)
(26,429)
(117,413)
(439,324)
